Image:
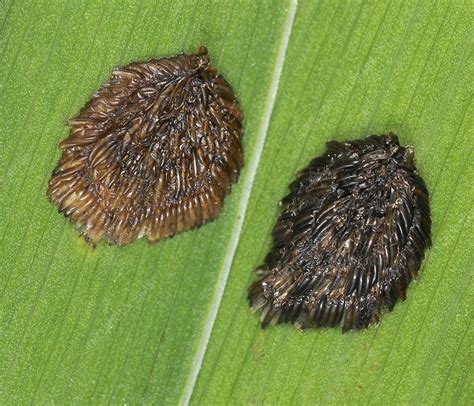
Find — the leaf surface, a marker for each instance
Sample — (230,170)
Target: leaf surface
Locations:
(349,72)
(127,325)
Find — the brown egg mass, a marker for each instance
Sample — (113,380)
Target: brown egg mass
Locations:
(350,238)
(152,153)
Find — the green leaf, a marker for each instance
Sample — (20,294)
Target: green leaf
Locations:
(133,324)
(352,71)
(80,324)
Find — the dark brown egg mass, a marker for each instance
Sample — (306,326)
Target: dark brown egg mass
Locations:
(153,152)
(350,238)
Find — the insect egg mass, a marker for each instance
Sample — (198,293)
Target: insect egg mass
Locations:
(152,153)
(350,238)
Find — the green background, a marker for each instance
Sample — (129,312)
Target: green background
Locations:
(124,325)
